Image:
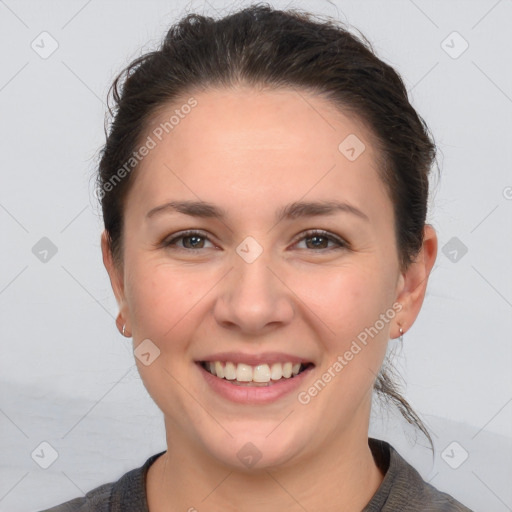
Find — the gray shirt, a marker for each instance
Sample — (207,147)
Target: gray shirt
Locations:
(402,489)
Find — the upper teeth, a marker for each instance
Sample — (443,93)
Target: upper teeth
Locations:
(247,373)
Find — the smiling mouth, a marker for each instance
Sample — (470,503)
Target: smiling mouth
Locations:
(254,375)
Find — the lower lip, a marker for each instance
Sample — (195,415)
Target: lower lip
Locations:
(254,394)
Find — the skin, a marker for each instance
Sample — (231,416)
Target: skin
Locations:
(251,152)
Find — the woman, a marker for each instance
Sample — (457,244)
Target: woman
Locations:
(264,189)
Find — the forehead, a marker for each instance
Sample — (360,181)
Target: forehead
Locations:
(257,148)
(278,120)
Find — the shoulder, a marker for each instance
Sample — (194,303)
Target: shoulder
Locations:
(125,495)
(404,489)
(97,500)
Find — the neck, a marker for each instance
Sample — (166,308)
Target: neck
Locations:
(343,477)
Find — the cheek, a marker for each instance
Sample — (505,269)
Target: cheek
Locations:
(162,300)
(349,302)
(347,298)
(160,297)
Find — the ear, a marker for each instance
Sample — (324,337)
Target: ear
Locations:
(412,283)
(116,280)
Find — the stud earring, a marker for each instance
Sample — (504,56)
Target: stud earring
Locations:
(401,335)
(124,328)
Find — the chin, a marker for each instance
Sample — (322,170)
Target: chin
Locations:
(259,451)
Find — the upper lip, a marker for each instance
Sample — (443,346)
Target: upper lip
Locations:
(254,359)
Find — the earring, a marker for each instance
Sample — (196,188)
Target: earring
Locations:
(124,328)
(401,335)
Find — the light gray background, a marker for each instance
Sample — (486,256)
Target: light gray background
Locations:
(68,377)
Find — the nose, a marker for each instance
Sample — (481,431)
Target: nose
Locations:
(253,298)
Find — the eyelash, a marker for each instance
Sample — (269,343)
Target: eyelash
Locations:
(308,234)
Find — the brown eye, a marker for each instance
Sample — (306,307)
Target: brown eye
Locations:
(190,240)
(320,240)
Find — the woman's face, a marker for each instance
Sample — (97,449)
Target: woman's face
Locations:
(254,283)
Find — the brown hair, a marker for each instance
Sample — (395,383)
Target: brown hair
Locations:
(263,47)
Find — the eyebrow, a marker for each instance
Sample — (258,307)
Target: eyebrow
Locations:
(291,211)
